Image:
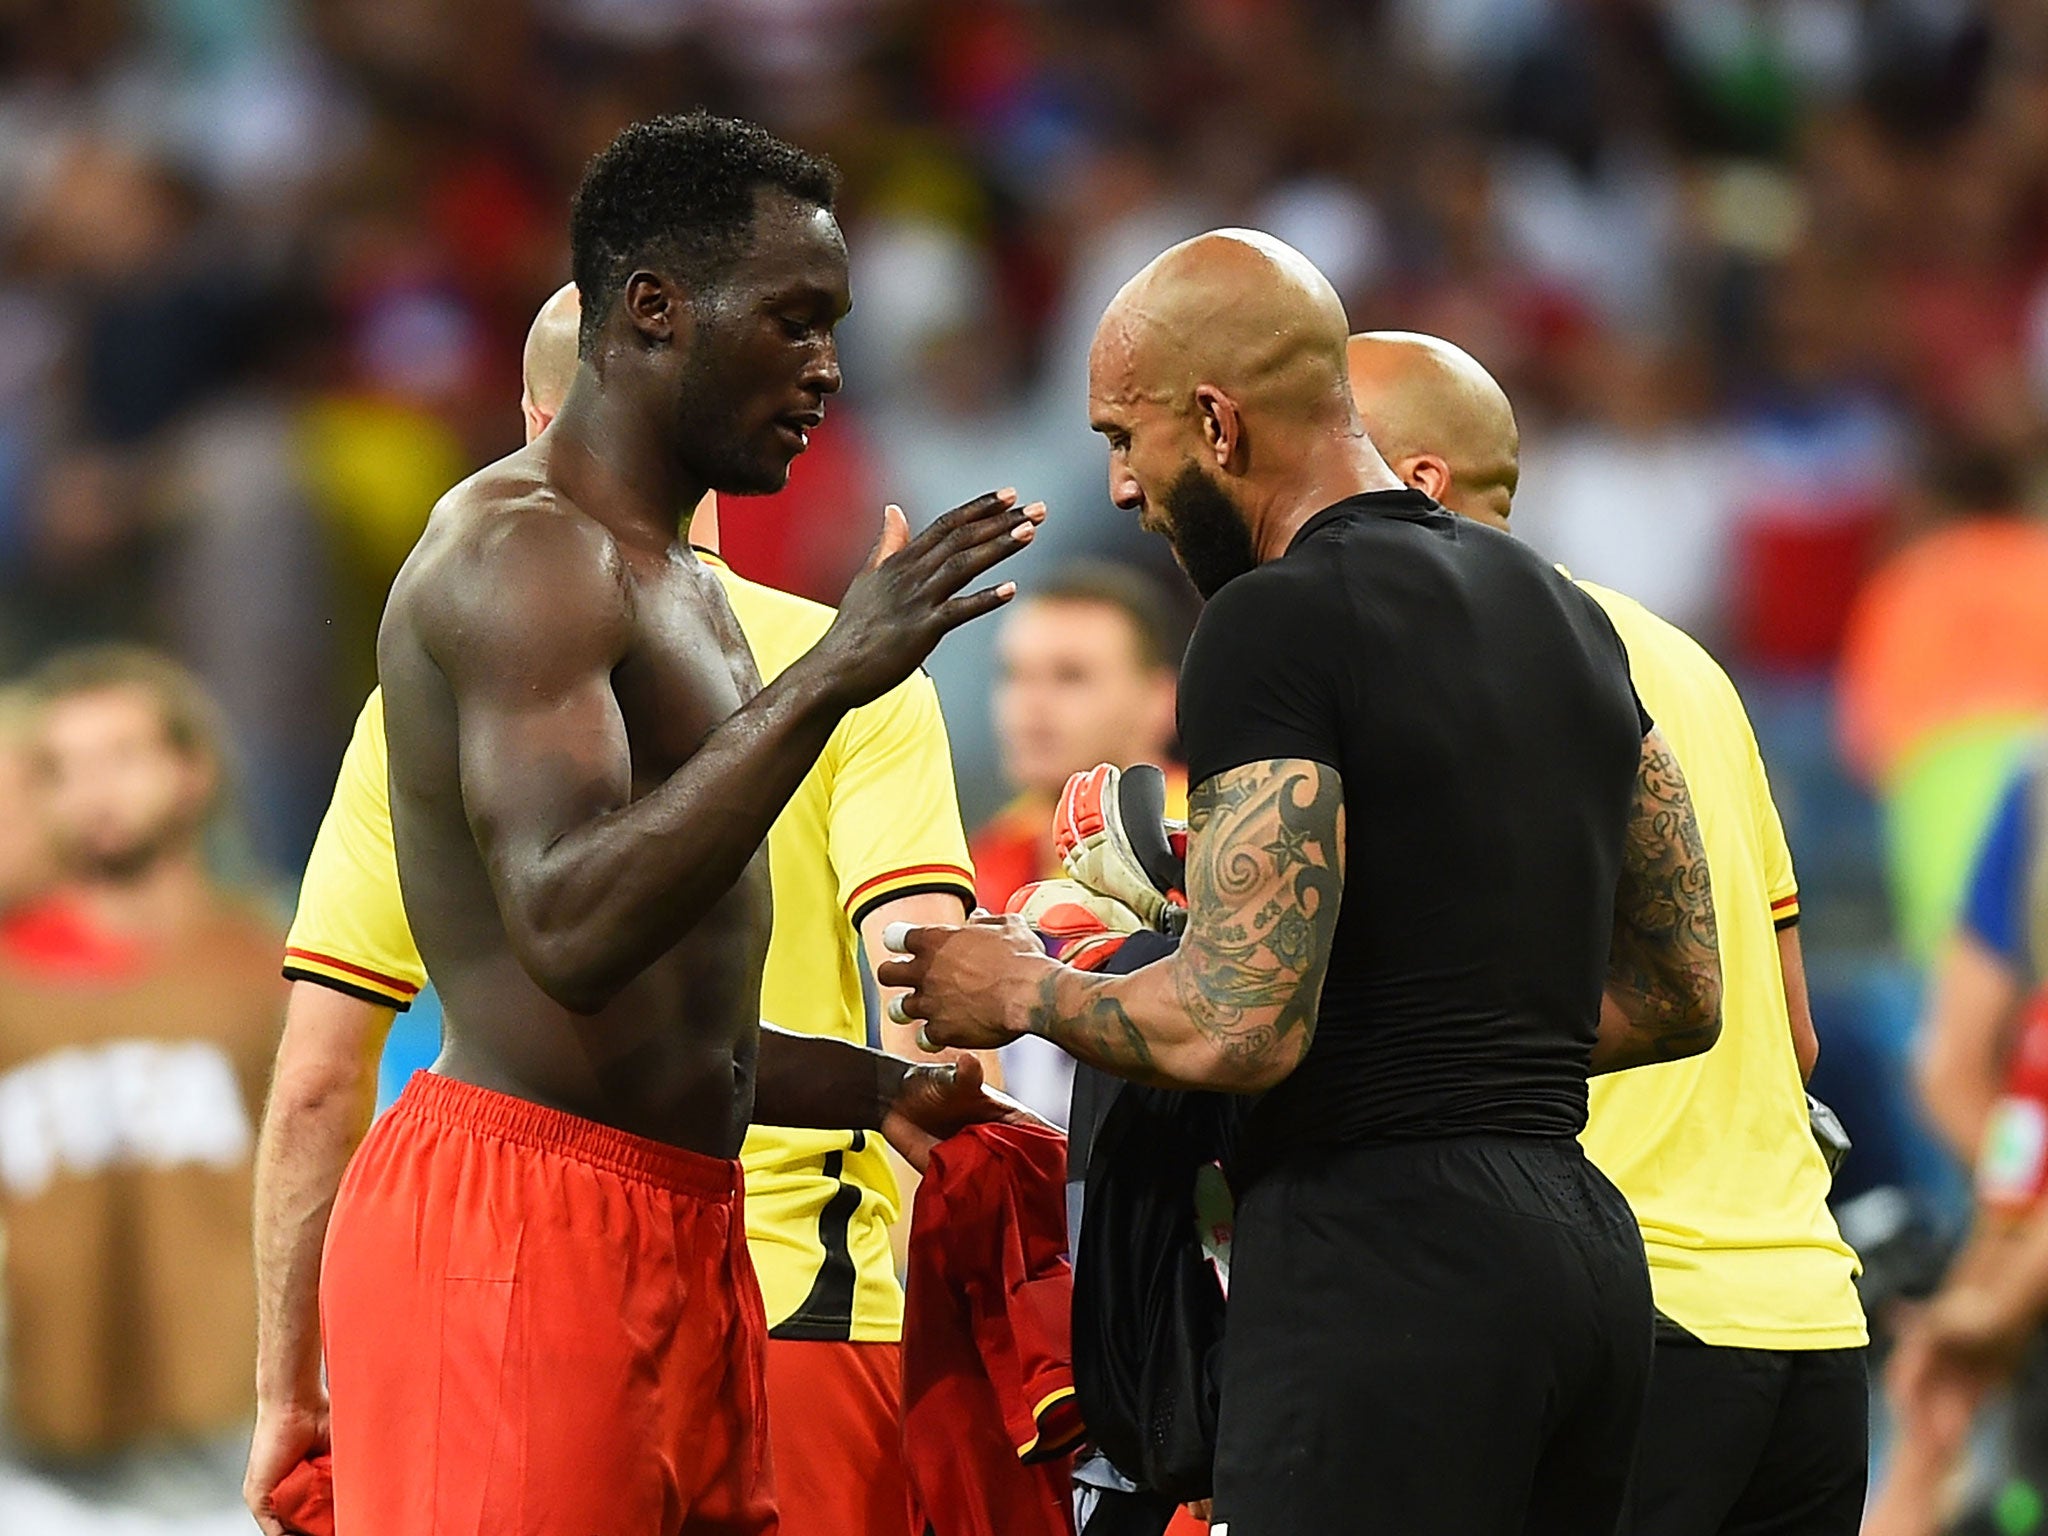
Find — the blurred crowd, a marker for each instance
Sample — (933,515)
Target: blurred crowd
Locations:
(1766,279)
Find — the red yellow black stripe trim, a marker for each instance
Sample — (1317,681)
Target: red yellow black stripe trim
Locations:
(1785,911)
(355,979)
(924,877)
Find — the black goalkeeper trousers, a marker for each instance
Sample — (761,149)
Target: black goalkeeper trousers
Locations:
(1443,1338)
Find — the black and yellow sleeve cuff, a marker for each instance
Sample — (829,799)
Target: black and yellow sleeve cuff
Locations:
(912,880)
(1785,911)
(358,981)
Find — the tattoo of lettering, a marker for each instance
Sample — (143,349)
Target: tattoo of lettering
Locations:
(1664,969)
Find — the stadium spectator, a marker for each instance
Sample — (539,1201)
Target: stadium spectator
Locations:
(138,1010)
(1984,1082)
(1945,677)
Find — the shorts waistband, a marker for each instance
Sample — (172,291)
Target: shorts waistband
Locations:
(485,1111)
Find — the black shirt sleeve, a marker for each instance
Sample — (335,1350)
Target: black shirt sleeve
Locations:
(1258,683)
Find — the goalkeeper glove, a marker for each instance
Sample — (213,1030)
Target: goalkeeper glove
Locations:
(1113,837)
(1081,927)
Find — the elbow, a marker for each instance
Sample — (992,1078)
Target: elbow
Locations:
(576,975)
(1706,1007)
(1248,1072)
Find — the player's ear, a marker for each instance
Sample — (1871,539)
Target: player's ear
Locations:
(1426,473)
(1222,424)
(653,306)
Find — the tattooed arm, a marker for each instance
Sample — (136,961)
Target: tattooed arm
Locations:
(1233,1008)
(1663,998)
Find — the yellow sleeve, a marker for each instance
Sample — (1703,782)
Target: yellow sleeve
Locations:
(1779,882)
(349,932)
(894,826)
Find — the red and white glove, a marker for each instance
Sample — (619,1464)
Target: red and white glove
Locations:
(1082,928)
(1113,837)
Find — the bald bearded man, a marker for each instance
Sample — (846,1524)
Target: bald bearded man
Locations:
(1758,1415)
(1426,803)
(873,836)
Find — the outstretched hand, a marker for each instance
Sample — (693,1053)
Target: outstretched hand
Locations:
(936,1101)
(909,593)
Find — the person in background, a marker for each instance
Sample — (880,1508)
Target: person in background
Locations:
(139,1007)
(1983,1080)
(27,862)
(1088,662)
(1944,677)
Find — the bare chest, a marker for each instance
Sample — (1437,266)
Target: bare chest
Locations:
(689,669)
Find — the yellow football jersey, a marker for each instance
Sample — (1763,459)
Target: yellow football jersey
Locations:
(876,817)
(1714,1152)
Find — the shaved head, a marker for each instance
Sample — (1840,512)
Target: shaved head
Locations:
(1441,421)
(549,362)
(1218,376)
(1234,309)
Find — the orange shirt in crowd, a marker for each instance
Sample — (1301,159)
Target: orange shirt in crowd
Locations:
(1951,628)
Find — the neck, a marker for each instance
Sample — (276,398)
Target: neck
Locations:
(160,900)
(609,451)
(1324,470)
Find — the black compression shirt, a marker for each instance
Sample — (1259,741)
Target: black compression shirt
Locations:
(1479,708)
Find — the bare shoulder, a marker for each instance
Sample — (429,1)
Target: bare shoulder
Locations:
(506,555)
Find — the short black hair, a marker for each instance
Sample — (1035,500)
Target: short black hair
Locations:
(1160,634)
(680,190)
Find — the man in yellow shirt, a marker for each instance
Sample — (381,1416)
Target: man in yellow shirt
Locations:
(871,837)
(1758,1406)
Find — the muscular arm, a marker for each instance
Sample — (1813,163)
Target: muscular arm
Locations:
(1965,1039)
(592,884)
(1234,1007)
(1663,995)
(1798,1005)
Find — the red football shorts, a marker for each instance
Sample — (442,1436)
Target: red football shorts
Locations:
(539,1326)
(835,1424)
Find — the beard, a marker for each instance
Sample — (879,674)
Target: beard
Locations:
(1208,535)
(716,446)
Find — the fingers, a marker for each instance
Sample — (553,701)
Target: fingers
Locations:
(985,505)
(956,611)
(900,973)
(895,534)
(967,1075)
(1000,527)
(971,564)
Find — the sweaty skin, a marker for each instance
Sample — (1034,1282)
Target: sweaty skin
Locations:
(583,760)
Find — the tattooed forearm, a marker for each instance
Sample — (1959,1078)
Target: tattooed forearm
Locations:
(1664,969)
(1083,1014)
(1265,876)
(1236,1006)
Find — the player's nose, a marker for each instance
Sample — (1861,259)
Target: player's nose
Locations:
(1123,489)
(821,369)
